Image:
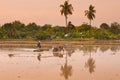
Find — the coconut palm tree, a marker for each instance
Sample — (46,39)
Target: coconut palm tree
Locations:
(66,9)
(90,13)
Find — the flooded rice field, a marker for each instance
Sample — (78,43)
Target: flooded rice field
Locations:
(81,62)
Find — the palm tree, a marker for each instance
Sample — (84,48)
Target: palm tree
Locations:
(66,10)
(90,13)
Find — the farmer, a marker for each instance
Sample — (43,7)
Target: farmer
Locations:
(39,44)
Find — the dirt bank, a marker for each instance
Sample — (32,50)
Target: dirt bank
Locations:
(25,43)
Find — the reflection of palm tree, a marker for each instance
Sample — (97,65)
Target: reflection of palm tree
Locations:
(66,69)
(90,64)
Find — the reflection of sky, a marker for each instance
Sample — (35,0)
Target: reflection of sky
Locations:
(45,11)
(23,62)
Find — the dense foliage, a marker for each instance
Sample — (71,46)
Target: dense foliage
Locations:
(18,30)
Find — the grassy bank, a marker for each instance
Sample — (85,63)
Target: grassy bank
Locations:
(49,43)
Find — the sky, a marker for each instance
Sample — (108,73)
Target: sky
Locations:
(48,11)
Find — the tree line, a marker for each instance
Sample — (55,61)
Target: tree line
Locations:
(18,30)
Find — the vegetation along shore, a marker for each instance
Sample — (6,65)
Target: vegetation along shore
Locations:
(51,43)
(85,31)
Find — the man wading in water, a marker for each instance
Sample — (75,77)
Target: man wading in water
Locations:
(39,44)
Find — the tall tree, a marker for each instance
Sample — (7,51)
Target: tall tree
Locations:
(115,28)
(66,10)
(10,30)
(90,13)
(105,26)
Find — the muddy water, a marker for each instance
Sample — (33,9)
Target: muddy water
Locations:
(81,63)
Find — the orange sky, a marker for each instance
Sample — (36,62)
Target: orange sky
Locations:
(48,11)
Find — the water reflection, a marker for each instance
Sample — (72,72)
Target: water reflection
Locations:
(114,48)
(39,57)
(58,54)
(88,49)
(11,55)
(90,64)
(66,69)
(71,59)
(103,48)
(67,50)
(70,49)
(59,51)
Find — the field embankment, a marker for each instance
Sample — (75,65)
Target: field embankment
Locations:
(25,43)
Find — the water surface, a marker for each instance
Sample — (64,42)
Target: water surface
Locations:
(82,62)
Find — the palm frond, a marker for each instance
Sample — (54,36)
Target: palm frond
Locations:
(90,13)
(66,9)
